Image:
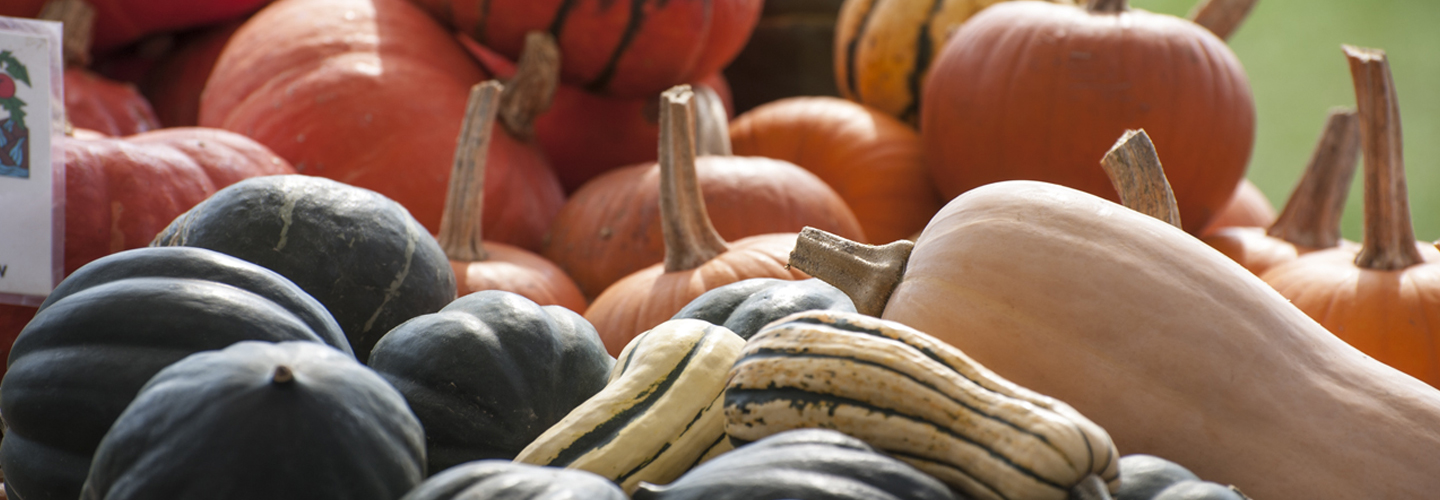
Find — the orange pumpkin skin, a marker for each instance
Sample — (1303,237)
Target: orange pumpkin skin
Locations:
(175,83)
(1039,91)
(611,227)
(94,102)
(634,48)
(1387,314)
(874,161)
(372,93)
(519,271)
(651,296)
(1248,207)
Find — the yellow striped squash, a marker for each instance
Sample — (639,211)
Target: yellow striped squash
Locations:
(918,399)
(659,414)
(883,48)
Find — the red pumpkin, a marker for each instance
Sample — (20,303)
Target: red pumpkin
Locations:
(175,83)
(631,49)
(120,192)
(119,22)
(1033,90)
(94,102)
(372,93)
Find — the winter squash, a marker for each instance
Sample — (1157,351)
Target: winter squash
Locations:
(1248,207)
(1148,477)
(696,257)
(658,415)
(612,226)
(477,264)
(625,49)
(296,420)
(173,86)
(998,106)
(745,306)
(372,93)
(919,399)
(1381,297)
(120,22)
(360,254)
(87,353)
(119,193)
(585,134)
(873,161)
(506,480)
(1310,220)
(490,372)
(883,50)
(92,101)
(804,463)
(1081,299)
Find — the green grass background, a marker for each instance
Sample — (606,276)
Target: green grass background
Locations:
(1291,52)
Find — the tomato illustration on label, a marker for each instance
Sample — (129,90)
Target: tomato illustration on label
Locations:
(14,135)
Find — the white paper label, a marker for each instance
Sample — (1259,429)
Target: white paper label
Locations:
(28,208)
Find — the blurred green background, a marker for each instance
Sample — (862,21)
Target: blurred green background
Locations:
(1291,51)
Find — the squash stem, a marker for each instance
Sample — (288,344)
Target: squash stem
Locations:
(1311,217)
(1091,487)
(532,89)
(1135,171)
(1222,17)
(1389,239)
(712,126)
(78,17)
(868,274)
(690,238)
(1107,6)
(282,375)
(460,223)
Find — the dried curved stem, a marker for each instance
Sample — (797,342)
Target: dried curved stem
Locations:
(460,223)
(712,126)
(1311,217)
(1389,239)
(1135,171)
(1107,6)
(690,238)
(78,16)
(532,89)
(1222,17)
(868,274)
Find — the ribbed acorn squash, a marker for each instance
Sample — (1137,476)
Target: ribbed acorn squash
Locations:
(746,306)
(506,480)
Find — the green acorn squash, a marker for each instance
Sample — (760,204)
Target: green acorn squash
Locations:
(746,306)
(506,480)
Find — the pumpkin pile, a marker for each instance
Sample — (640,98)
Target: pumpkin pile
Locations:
(426,249)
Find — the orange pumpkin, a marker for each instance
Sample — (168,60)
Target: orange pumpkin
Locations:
(1248,207)
(1384,297)
(1311,218)
(372,93)
(1034,90)
(697,258)
(93,102)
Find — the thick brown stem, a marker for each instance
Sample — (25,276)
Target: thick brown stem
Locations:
(1389,240)
(460,223)
(78,17)
(1311,217)
(1107,6)
(690,239)
(866,273)
(530,92)
(1222,17)
(1135,171)
(712,126)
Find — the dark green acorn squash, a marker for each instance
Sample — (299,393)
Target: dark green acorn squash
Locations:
(292,420)
(1148,477)
(812,464)
(112,325)
(490,372)
(361,254)
(506,480)
(746,306)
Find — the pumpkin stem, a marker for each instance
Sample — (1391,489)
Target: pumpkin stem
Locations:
(1311,217)
(690,239)
(1389,239)
(1135,171)
(1222,17)
(712,127)
(1091,487)
(530,92)
(868,274)
(460,235)
(78,17)
(283,375)
(1107,6)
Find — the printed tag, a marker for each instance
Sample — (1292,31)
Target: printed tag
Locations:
(32,182)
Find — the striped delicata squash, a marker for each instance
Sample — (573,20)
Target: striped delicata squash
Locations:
(660,413)
(918,399)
